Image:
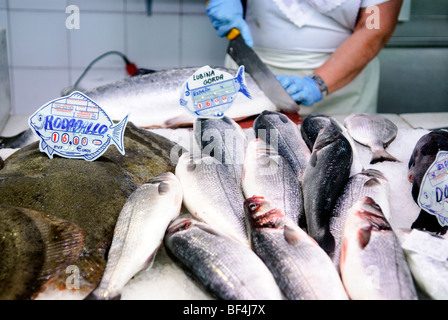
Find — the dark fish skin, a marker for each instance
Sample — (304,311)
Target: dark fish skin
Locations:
(311,126)
(35,248)
(270,126)
(423,155)
(2,163)
(18,141)
(323,181)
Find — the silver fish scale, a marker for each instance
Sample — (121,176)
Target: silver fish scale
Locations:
(385,265)
(354,190)
(268,174)
(221,197)
(226,268)
(303,271)
(371,130)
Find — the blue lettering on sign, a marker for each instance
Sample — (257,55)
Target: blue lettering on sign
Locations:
(72,125)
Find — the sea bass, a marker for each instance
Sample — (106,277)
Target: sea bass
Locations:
(76,127)
(374,131)
(301,268)
(267,174)
(35,248)
(224,140)
(311,127)
(284,136)
(423,156)
(323,181)
(369,182)
(139,232)
(373,265)
(211,194)
(152,100)
(227,269)
(427,256)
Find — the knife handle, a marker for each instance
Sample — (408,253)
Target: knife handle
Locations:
(233,34)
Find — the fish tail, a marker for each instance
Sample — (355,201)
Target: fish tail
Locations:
(381,155)
(118,134)
(242,82)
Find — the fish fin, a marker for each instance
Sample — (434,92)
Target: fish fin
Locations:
(44,145)
(118,134)
(291,235)
(381,155)
(242,82)
(64,241)
(364,236)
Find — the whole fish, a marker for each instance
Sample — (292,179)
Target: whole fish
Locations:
(211,194)
(374,131)
(226,268)
(311,127)
(224,140)
(19,140)
(284,136)
(373,265)
(323,182)
(35,248)
(76,127)
(422,157)
(153,99)
(369,182)
(301,268)
(427,257)
(267,174)
(138,233)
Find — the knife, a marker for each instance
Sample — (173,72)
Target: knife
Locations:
(242,54)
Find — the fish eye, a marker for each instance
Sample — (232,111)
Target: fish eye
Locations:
(253,206)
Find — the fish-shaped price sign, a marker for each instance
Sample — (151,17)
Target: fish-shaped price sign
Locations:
(209,93)
(76,127)
(433,196)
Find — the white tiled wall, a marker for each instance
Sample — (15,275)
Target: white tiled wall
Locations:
(45,57)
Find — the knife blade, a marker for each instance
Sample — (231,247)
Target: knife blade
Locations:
(242,54)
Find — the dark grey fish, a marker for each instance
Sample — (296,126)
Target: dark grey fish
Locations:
(373,265)
(369,182)
(284,136)
(227,269)
(422,157)
(19,140)
(312,125)
(374,131)
(301,268)
(323,182)
(35,248)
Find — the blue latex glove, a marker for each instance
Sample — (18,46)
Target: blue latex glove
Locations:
(303,90)
(226,15)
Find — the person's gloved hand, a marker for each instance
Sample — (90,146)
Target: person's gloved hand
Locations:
(226,15)
(303,90)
